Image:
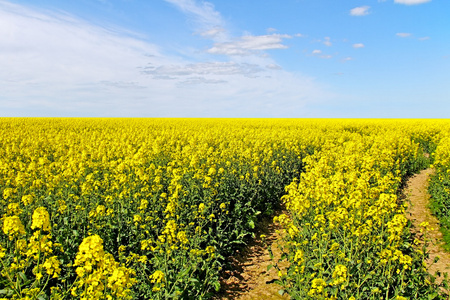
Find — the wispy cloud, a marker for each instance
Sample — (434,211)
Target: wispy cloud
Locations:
(319,53)
(210,68)
(203,12)
(209,22)
(360,11)
(403,34)
(40,47)
(411,2)
(249,44)
(327,41)
(54,64)
(410,35)
(213,33)
(274,67)
(201,80)
(358,45)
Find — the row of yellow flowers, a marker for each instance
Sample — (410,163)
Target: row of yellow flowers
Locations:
(439,187)
(346,235)
(151,208)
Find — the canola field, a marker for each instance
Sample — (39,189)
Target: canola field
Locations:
(151,208)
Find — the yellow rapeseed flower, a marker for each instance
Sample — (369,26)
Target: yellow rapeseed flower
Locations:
(339,274)
(52,266)
(41,219)
(13,227)
(157,277)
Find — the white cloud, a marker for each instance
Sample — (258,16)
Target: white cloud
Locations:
(318,53)
(411,2)
(54,64)
(358,45)
(204,12)
(201,80)
(213,27)
(327,42)
(410,35)
(213,33)
(248,44)
(209,22)
(360,11)
(403,34)
(209,68)
(274,67)
(43,47)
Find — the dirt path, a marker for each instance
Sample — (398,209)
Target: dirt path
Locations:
(249,278)
(418,212)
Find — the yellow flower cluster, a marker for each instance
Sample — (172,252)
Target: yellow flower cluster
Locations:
(99,275)
(41,219)
(34,255)
(13,227)
(339,274)
(158,279)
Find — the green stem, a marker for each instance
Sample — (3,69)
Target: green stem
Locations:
(10,280)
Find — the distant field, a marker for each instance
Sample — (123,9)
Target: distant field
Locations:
(151,208)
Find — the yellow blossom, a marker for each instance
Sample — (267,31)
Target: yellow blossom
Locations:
(41,219)
(157,277)
(13,227)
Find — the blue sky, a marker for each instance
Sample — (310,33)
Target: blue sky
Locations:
(225,58)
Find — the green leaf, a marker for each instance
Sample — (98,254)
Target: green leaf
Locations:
(251,224)
(269,267)
(216,286)
(281,292)
(432,296)
(23,276)
(270,252)
(6,292)
(184,273)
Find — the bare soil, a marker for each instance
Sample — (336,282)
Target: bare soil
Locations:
(418,212)
(249,277)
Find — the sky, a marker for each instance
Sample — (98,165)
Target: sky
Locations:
(225,58)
